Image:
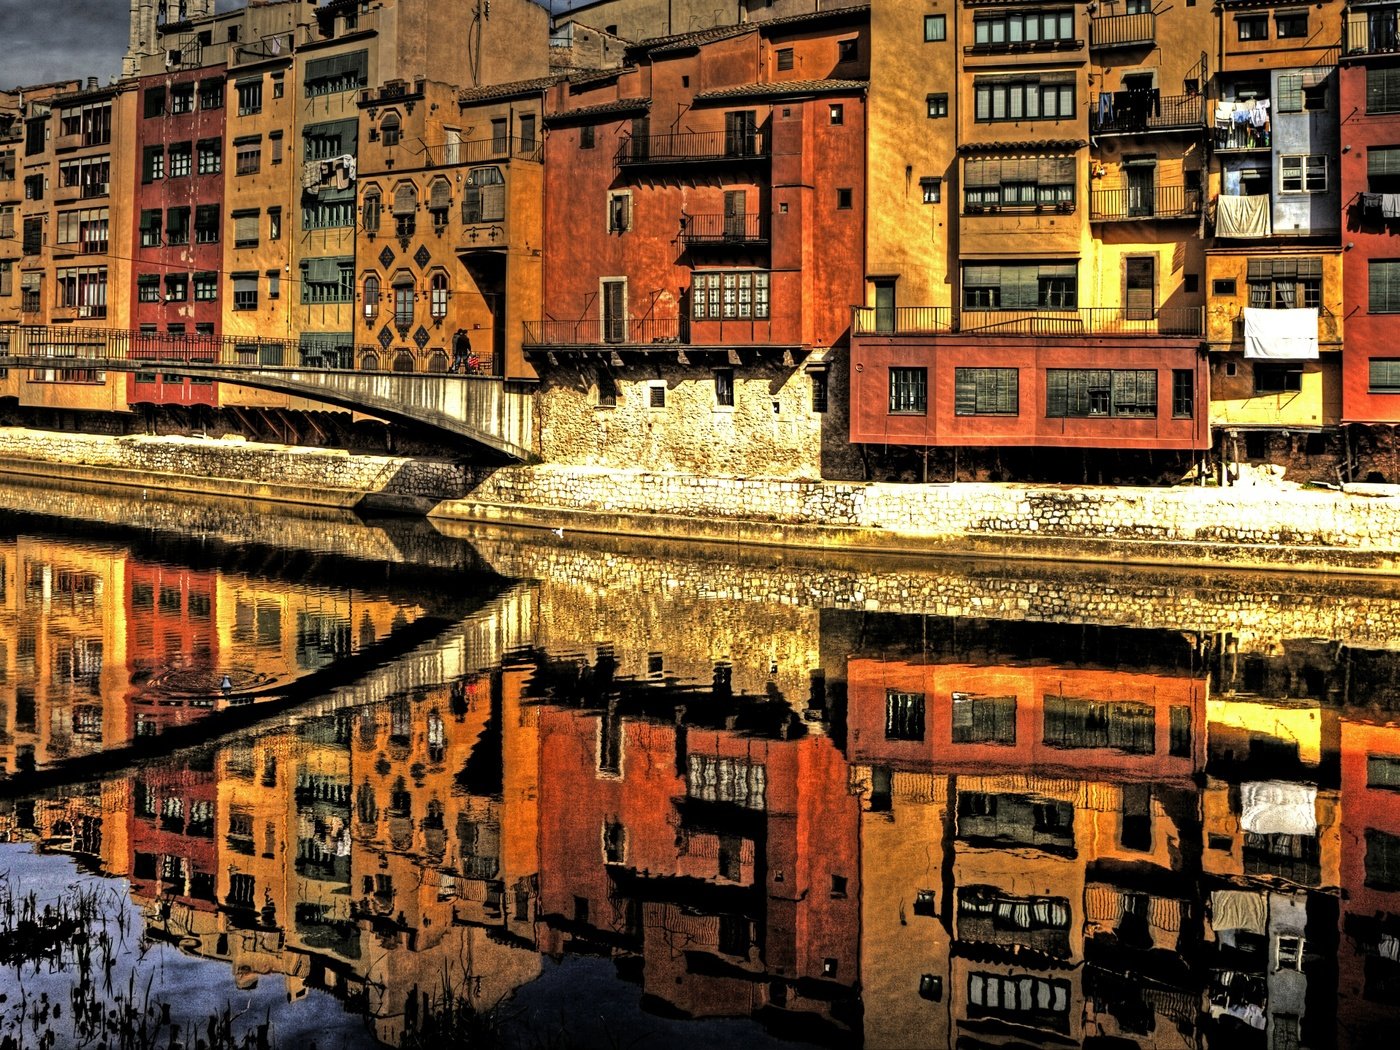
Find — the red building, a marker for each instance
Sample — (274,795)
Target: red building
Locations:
(1370,174)
(178,211)
(172,642)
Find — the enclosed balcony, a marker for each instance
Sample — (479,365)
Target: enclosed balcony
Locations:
(1136,204)
(718,230)
(693,148)
(1140,112)
(1370,31)
(1082,321)
(1139,30)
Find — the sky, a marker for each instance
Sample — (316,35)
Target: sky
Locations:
(88,40)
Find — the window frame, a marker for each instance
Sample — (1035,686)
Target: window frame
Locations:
(908,390)
(935,29)
(986,391)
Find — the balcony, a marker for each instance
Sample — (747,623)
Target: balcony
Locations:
(1371,31)
(1138,30)
(1023,47)
(1084,321)
(481,151)
(1163,203)
(1144,112)
(719,230)
(613,332)
(1242,138)
(692,147)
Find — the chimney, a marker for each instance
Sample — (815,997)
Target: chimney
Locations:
(92,83)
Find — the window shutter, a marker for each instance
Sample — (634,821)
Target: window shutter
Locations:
(1385,374)
(1056,170)
(1383,160)
(981,276)
(1382,90)
(245,284)
(1260,270)
(1309,267)
(150,220)
(245,227)
(441,196)
(493,202)
(1384,278)
(965,392)
(980,173)
(405,199)
(371,212)
(1056,393)
(471,204)
(322,271)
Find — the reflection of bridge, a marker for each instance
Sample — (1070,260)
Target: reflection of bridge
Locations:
(484,410)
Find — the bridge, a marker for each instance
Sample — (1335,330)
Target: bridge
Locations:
(484,410)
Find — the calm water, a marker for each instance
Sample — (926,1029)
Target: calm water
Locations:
(280,781)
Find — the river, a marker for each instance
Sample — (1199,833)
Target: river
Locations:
(279,779)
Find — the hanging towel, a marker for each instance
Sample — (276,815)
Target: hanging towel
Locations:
(1238,910)
(311,174)
(1390,205)
(1372,201)
(1280,335)
(1224,113)
(1277,807)
(1243,216)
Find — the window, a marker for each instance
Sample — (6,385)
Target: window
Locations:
(1072,722)
(390,129)
(206,287)
(1303,174)
(843,199)
(998,184)
(182,98)
(153,102)
(84,290)
(500,135)
(1382,860)
(7,165)
(904,715)
(7,221)
(274,284)
(1026,286)
(32,241)
(405,209)
(249,97)
(36,135)
(935,28)
(369,211)
(211,94)
(726,295)
(1384,281)
(327,281)
(274,139)
(337,74)
(371,294)
(91,124)
(527,133)
(7,278)
(984,719)
(152,163)
(206,224)
(177,226)
(586,136)
(937,106)
(245,229)
(1023,98)
(484,196)
(148,288)
(274,222)
(986,392)
(179,159)
(1383,771)
(210,153)
(326,215)
(176,287)
(724,387)
(656,395)
(30,291)
(1290,24)
(247,158)
(847,50)
(1252,27)
(784,58)
(931,189)
(439,292)
(1383,89)
(1223,286)
(403,301)
(1183,393)
(87,228)
(150,228)
(1079,393)
(327,140)
(837,113)
(439,202)
(908,391)
(1315,97)
(820,397)
(619,212)
(1285,283)
(34,187)
(1277,379)
(1022,29)
(741,133)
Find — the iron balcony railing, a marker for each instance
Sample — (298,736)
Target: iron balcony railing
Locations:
(1123,30)
(1137,112)
(691,147)
(621,331)
(1028,47)
(1157,202)
(481,151)
(1371,31)
(1243,137)
(1094,320)
(717,228)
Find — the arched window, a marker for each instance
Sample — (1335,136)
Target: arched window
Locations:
(389,129)
(371,297)
(403,299)
(370,362)
(405,209)
(403,361)
(439,296)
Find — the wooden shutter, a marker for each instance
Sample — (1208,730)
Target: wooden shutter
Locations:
(614,322)
(1055,171)
(441,195)
(1384,279)
(965,392)
(1140,292)
(1056,393)
(981,173)
(471,204)
(406,199)
(245,227)
(735,206)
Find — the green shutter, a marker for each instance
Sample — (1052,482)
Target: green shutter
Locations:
(1383,160)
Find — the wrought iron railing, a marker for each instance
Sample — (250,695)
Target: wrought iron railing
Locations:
(1156,202)
(1123,30)
(1095,320)
(481,151)
(717,228)
(1135,112)
(693,146)
(620,331)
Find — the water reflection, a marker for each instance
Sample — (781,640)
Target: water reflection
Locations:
(853,828)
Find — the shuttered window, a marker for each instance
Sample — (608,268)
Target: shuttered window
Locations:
(405,199)
(1383,90)
(1385,375)
(986,391)
(1384,286)
(1383,160)
(325,76)
(245,228)
(1044,286)
(440,195)
(1091,392)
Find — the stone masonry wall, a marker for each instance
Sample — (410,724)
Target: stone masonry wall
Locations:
(276,465)
(1254,516)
